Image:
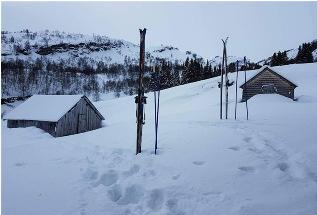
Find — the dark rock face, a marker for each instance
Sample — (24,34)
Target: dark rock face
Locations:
(166,48)
(65,47)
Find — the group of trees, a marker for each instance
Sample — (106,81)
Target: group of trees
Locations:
(196,70)
(304,55)
(279,59)
(42,76)
(22,78)
(305,52)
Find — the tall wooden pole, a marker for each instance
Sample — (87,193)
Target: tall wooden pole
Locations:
(140,99)
(235,108)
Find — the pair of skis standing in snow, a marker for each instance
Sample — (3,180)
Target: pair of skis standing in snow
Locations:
(140,99)
(227,84)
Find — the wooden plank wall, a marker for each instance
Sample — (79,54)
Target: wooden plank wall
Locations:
(49,127)
(68,124)
(254,87)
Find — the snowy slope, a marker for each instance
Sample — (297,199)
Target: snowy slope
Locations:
(267,165)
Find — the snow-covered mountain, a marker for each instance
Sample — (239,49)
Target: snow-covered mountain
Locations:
(56,45)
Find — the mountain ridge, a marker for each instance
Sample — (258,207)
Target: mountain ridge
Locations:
(58,45)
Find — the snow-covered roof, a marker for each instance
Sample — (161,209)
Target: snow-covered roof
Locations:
(44,107)
(273,70)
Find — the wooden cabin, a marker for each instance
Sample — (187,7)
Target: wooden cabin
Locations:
(268,81)
(58,115)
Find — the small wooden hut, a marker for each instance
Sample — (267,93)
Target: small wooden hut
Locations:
(59,115)
(267,81)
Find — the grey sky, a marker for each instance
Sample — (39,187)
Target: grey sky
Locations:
(256,29)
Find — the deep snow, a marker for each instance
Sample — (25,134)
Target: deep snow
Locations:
(267,165)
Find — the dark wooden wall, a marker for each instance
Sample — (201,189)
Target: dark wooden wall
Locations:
(49,127)
(81,118)
(266,77)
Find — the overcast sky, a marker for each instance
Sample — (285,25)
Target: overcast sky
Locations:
(256,29)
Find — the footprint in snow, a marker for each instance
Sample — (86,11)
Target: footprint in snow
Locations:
(149,173)
(115,193)
(132,195)
(172,205)
(234,148)
(90,174)
(19,164)
(175,177)
(133,170)
(247,139)
(213,193)
(199,163)
(255,150)
(156,199)
(283,166)
(108,178)
(246,168)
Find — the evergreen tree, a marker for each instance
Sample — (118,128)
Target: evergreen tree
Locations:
(304,54)
(274,61)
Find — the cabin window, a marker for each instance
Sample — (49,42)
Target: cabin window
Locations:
(268,89)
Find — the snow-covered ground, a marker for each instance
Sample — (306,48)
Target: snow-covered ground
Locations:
(267,165)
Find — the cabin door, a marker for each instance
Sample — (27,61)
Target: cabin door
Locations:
(268,89)
(81,127)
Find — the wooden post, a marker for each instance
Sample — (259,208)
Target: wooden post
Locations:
(235,109)
(140,99)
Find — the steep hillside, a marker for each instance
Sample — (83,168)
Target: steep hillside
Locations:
(266,165)
(56,45)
